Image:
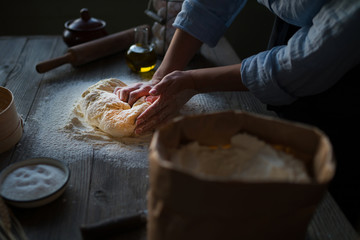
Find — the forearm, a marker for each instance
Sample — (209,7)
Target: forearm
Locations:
(225,78)
(182,48)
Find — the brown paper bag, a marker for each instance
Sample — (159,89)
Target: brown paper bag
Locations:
(184,205)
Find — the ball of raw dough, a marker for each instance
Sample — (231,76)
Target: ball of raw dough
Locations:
(102,109)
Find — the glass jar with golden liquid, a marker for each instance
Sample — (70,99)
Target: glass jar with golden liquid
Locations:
(141,56)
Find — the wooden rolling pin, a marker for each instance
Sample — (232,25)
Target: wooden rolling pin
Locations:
(90,51)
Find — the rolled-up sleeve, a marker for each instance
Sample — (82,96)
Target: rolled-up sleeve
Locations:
(313,60)
(207,20)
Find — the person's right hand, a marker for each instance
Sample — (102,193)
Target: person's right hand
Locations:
(174,90)
(132,93)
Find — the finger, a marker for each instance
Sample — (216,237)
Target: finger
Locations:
(124,93)
(151,99)
(151,117)
(117,92)
(155,122)
(160,87)
(136,94)
(150,111)
(147,126)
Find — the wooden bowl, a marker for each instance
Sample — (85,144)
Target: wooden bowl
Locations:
(11,126)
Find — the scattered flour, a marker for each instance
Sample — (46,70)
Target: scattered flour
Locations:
(60,130)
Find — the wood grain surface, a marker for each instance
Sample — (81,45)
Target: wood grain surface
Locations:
(104,183)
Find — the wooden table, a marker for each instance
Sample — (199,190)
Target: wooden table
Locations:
(104,184)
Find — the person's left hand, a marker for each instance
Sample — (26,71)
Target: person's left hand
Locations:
(132,93)
(173,91)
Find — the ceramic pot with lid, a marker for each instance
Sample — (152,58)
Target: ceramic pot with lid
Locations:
(83,29)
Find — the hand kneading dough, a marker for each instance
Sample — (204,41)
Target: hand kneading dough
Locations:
(101,108)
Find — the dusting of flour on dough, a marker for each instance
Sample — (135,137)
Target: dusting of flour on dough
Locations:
(102,109)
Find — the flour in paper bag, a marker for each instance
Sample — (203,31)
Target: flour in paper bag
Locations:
(247,158)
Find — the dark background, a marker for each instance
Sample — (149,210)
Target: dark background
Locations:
(248,34)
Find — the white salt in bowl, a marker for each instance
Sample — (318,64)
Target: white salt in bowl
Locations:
(11,126)
(33,182)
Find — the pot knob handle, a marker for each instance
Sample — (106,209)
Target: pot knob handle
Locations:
(85,15)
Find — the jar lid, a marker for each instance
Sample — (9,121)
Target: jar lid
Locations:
(85,22)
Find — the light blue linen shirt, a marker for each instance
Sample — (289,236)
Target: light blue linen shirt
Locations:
(324,48)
